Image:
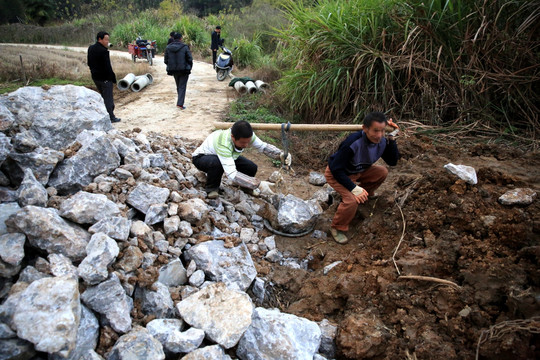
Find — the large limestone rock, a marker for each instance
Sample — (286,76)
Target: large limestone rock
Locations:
(296,215)
(41,161)
(233,266)
(55,116)
(222,313)
(101,252)
(276,335)
(88,208)
(31,192)
(145,195)
(48,314)
(97,157)
(46,230)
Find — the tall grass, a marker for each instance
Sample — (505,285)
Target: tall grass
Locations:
(440,61)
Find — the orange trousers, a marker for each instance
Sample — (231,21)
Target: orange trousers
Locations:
(370,180)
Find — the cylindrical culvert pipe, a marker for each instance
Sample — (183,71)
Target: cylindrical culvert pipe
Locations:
(240,87)
(141,82)
(126,82)
(261,85)
(251,88)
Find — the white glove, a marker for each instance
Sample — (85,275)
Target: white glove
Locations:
(357,190)
(287,161)
(265,187)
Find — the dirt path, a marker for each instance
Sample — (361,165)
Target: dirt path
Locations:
(154,107)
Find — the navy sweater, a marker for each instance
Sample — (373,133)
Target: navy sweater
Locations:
(356,153)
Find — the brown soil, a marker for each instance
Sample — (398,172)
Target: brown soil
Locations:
(445,228)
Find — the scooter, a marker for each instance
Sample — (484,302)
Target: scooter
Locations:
(224,63)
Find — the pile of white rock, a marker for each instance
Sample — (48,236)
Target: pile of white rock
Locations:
(109,248)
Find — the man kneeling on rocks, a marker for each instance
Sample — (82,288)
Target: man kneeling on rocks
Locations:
(351,172)
(221,153)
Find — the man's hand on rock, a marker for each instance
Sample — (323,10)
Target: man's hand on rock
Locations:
(360,194)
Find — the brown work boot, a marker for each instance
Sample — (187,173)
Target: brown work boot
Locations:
(339,236)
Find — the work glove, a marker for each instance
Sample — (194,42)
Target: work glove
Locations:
(265,188)
(394,133)
(287,161)
(360,194)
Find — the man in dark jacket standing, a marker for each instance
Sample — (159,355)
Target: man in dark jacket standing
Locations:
(214,46)
(351,172)
(179,64)
(103,75)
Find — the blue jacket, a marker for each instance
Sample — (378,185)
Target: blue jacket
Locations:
(356,153)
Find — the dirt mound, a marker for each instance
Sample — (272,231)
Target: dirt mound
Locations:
(453,231)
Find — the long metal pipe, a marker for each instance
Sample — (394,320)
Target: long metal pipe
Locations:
(296,127)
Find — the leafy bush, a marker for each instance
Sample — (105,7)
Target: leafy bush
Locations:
(248,53)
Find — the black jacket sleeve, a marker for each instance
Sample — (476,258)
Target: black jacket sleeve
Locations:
(391,153)
(215,41)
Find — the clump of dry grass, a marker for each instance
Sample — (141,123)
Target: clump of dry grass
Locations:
(40,63)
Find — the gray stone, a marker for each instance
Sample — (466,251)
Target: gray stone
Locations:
(101,252)
(48,314)
(139,228)
(31,192)
(30,274)
(46,230)
(145,195)
(296,215)
(464,172)
(156,301)
(329,267)
(109,299)
(137,344)
(62,266)
(116,227)
(162,329)
(274,256)
(197,278)
(173,274)
(519,196)
(88,208)
(122,174)
(171,224)
(212,352)
(6,210)
(193,210)
(276,335)
(316,178)
(56,116)
(223,314)
(87,336)
(185,229)
(16,349)
(90,355)
(156,213)
(12,248)
(328,335)
(24,142)
(131,260)
(42,162)
(124,146)
(233,266)
(5,143)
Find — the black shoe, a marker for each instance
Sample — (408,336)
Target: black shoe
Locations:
(115,120)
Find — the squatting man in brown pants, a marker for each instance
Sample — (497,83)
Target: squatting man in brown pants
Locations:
(351,172)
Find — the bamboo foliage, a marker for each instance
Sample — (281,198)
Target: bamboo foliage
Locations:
(446,62)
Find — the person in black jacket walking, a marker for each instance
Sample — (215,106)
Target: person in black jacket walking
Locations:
(103,75)
(216,42)
(179,64)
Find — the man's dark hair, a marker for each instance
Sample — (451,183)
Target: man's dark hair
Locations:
(374,116)
(177,36)
(218,27)
(100,35)
(241,130)
(172,33)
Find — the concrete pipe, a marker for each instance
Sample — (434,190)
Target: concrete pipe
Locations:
(261,85)
(126,82)
(141,82)
(240,87)
(251,88)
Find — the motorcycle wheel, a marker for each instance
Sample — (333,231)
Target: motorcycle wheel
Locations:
(133,57)
(221,74)
(149,57)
